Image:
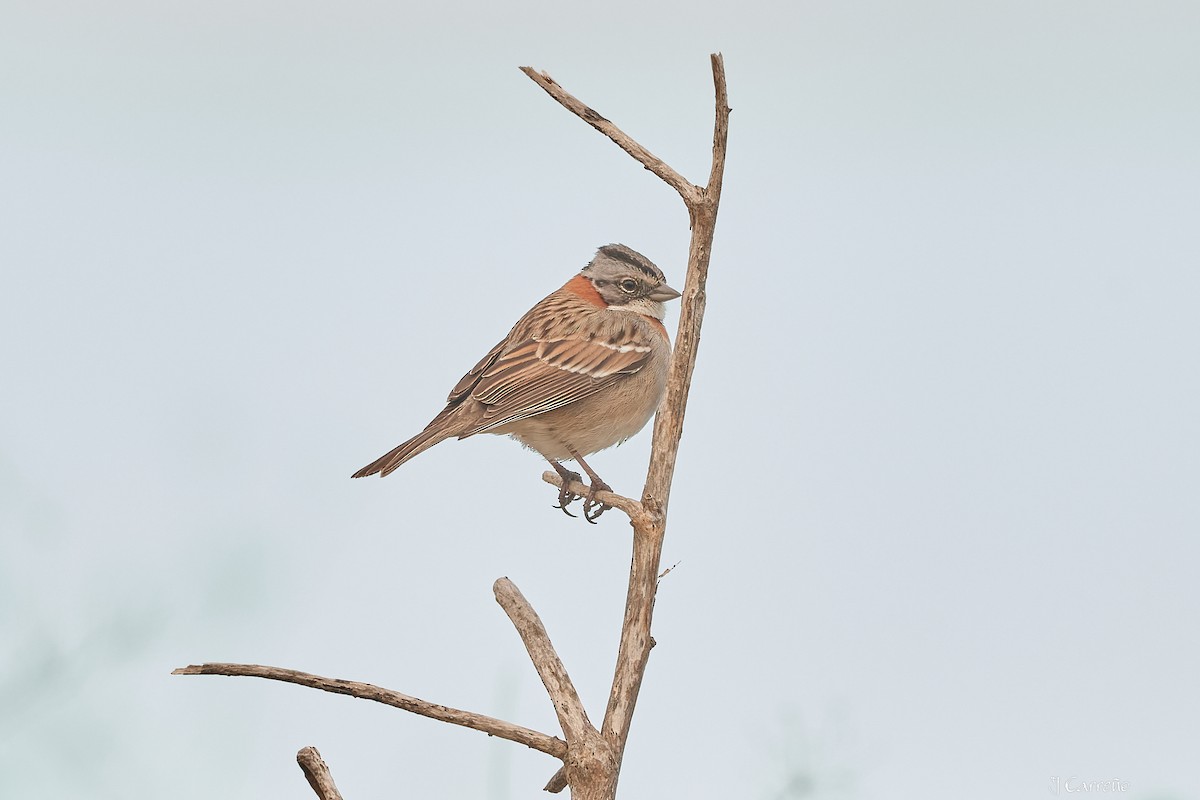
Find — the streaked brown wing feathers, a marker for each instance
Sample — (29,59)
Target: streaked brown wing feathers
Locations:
(468,381)
(539,376)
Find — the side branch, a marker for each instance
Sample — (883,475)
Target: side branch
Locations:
(689,192)
(317,773)
(632,508)
(567,705)
(550,745)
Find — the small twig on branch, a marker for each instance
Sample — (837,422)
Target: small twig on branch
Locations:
(557,782)
(668,570)
(632,508)
(567,705)
(550,745)
(317,774)
(686,189)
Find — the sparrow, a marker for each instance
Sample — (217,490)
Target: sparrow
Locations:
(583,370)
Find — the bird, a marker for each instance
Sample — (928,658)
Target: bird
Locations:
(583,370)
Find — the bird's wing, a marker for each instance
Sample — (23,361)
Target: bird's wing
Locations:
(537,375)
(468,381)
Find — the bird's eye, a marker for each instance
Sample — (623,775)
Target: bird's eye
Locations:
(629,285)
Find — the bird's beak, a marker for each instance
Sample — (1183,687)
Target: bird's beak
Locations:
(663,293)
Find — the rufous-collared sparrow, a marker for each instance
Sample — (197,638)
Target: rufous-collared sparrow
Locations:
(583,370)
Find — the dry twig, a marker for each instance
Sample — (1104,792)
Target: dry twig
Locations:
(632,508)
(551,745)
(317,774)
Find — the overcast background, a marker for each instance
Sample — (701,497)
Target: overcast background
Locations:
(936,514)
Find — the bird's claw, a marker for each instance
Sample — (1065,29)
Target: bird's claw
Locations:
(566,496)
(591,508)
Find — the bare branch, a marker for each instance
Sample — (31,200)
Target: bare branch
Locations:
(632,508)
(634,649)
(668,423)
(649,516)
(550,745)
(689,192)
(716,176)
(317,774)
(567,705)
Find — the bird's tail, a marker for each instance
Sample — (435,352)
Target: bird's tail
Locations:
(403,452)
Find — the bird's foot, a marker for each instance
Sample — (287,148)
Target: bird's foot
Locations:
(565,495)
(591,508)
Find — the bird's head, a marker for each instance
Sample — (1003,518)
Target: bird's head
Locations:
(627,280)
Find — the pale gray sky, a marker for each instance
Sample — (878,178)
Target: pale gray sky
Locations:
(936,510)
